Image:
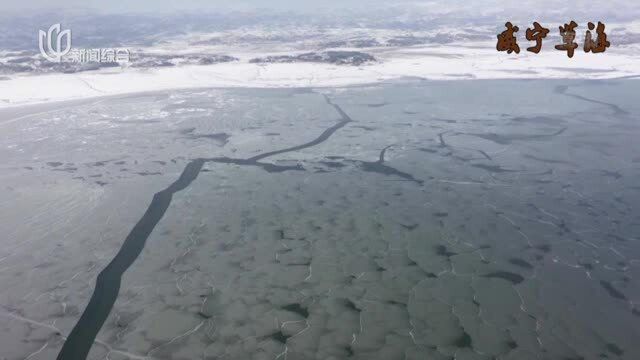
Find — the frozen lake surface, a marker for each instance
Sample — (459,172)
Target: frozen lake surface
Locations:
(487,219)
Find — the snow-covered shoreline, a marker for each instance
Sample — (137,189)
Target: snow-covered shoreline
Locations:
(444,62)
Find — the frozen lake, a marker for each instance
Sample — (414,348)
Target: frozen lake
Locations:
(487,219)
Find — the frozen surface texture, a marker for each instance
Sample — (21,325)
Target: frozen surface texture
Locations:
(479,219)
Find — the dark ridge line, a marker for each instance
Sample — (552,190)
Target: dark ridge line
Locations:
(381,158)
(443,144)
(380,168)
(549,161)
(511,277)
(441,137)
(617,110)
(270,168)
(494,168)
(485,155)
(82,337)
(521,263)
(320,139)
(338,108)
(499,169)
(612,291)
(509,138)
(254,161)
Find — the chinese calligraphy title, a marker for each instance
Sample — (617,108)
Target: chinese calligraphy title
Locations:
(508,42)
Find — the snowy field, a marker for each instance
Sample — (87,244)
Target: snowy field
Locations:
(236,58)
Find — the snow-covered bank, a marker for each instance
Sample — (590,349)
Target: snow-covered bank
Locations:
(444,62)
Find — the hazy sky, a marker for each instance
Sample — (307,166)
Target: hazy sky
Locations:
(532,8)
(172,5)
